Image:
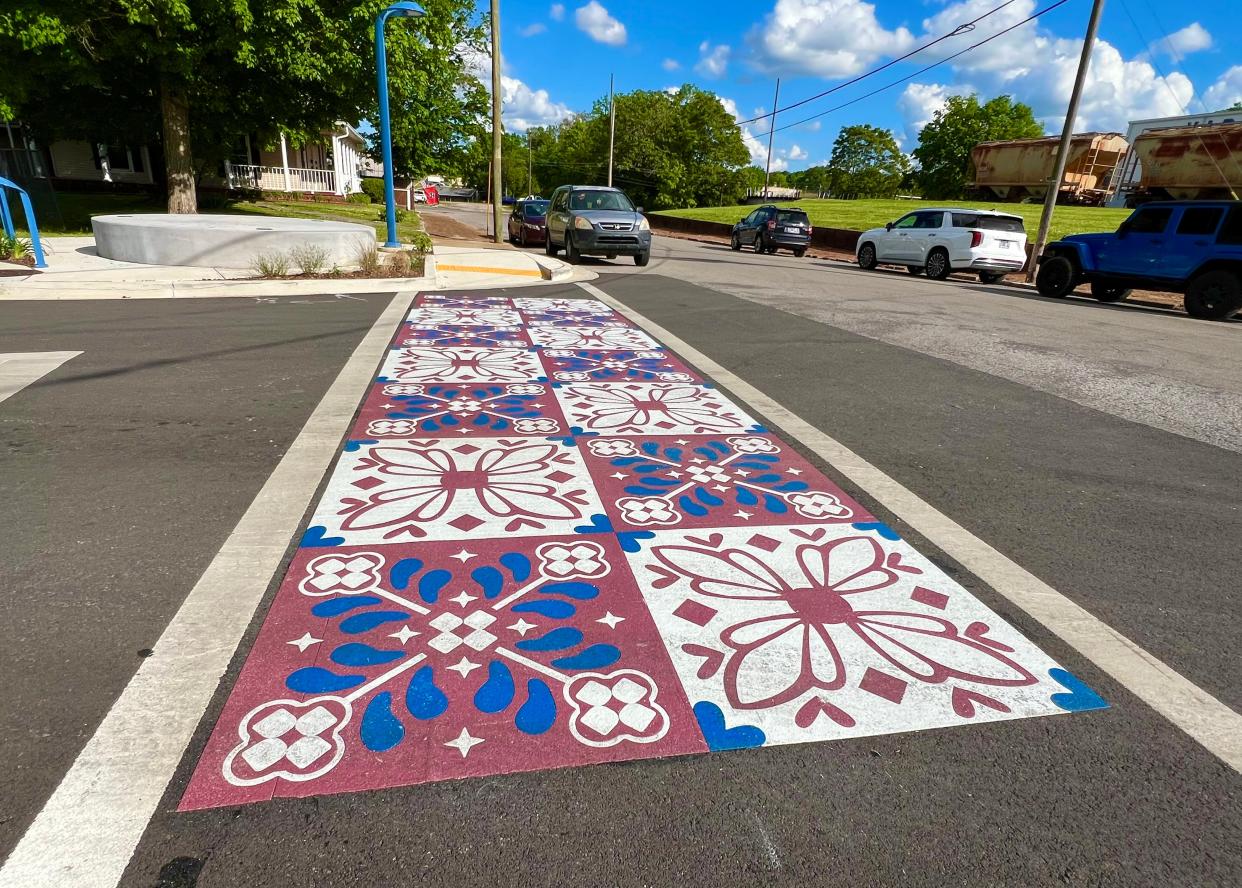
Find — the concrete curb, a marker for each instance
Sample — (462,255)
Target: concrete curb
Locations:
(553,269)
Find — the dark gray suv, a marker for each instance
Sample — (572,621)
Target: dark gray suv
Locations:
(591,220)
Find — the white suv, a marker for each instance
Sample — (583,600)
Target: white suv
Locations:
(942,241)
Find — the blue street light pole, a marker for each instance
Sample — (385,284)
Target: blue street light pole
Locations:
(411,10)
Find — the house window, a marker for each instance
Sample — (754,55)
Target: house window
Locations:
(118,158)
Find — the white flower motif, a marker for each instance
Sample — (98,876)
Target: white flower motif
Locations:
(463,405)
(675,377)
(382,428)
(613,364)
(572,376)
(559,353)
(342,574)
(612,447)
(524,390)
(535,426)
(816,504)
(403,390)
(753,445)
(288,740)
(560,561)
(651,355)
(651,510)
(609,708)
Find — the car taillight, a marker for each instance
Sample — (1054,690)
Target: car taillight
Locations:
(976,238)
(771,225)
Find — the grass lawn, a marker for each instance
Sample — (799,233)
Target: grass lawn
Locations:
(863,214)
(362,214)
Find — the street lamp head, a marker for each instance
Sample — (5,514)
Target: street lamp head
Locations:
(406,8)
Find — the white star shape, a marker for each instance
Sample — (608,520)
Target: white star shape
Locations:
(304,642)
(741,473)
(682,441)
(698,461)
(463,743)
(464,555)
(464,667)
(793,471)
(386,406)
(463,598)
(403,635)
(740,514)
(618,475)
(610,620)
(720,487)
(465,432)
(673,474)
(521,627)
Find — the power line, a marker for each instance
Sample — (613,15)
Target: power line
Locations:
(921,71)
(964,28)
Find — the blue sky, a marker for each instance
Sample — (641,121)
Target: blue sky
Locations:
(1154,58)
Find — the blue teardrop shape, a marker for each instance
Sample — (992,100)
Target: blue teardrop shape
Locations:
(580,591)
(360,623)
(317,680)
(338,606)
(355,654)
(380,730)
(497,692)
(539,711)
(597,656)
(422,697)
(490,580)
(517,564)
(556,640)
(401,572)
(557,610)
(430,585)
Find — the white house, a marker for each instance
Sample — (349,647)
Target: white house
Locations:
(1130,173)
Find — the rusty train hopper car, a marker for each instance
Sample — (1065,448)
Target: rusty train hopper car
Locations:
(1022,167)
(1189,163)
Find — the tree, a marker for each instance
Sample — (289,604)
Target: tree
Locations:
(196,75)
(816,179)
(945,144)
(866,163)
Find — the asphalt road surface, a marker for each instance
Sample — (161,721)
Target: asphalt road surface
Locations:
(1096,446)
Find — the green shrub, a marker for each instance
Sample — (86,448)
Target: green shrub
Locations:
(421,241)
(368,258)
(15,248)
(309,258)
(271,265)
(374,189)
(360,198)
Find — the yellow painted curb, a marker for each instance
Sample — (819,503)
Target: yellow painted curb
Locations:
(481,269)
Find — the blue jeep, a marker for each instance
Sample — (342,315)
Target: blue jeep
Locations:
(1189,247)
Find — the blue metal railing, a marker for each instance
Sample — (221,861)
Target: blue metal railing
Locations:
(6,217)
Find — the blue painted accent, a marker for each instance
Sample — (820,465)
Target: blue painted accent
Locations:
(490,580)
(580,591)
(758,430)
(360,623)
(597,656)
(599,524)
(400,8)
(517,564)
(631,540)
(351,446)
(423,699)
(497,692)
(558,639)
(431,583)
(718,737)
(380,730)
(357,654)
(879,527)
(539,711)
(314,538)
(336,606)
(401,572)
(32,224)
(553,609)
(1080,697)
(317,680)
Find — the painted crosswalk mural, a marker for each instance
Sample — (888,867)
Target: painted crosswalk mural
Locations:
(550,542)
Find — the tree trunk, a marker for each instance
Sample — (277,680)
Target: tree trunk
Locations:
(177,161)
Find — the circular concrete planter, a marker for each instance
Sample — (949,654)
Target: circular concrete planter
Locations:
(222,241)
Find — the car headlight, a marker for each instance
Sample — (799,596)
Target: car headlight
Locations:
(643,224)
(584,223)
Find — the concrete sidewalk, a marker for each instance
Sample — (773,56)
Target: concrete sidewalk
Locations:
(76,271)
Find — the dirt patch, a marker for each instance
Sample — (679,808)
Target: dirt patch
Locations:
(446,227)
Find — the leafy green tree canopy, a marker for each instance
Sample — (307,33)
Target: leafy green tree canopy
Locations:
(866,162)
(945,144)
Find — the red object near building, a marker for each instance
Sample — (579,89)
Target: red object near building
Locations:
(433,195)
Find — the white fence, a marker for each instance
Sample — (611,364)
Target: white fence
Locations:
(268,178)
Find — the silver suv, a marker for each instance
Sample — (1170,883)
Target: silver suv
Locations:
(591,220)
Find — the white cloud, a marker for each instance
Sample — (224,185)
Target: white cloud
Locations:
(670,64)
(758,150)
(671,90)
(1192,38)
(557,12)
(713,60)
(595,20)
(814,126)
(824,38)
(522,107)
(797,153)
(1225,91)
(532,29)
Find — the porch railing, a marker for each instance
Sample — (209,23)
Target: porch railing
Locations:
(268,178)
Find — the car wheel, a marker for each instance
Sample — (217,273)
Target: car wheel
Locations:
(1056,278)
(991,277)
(734,244)
(522,238)
(914,269)
(866,257)
(641,259)
(1214,295)
(549,248)
(611,256)
(572,256)
(760,247)
(799,253)
(1108,293)
(938,267)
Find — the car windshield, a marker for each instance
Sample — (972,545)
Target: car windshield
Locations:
(600,200)
(792,217)
(534,208)
(1011,224)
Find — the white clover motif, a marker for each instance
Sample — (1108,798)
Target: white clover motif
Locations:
(562,561)
(381,428)
(753,445)
(524,390)
(403,390)
(288,740)
(614,707)
(535,426)
(572,376)
(817,504)
(559,352)
(652,510)
(675,376)
(612,447)
(650,355)
(463,405)
(342,574)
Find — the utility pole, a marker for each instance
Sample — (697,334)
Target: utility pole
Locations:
(497,130)
(612,128)
(530,165)
(767,170)
(1067,135)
